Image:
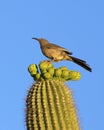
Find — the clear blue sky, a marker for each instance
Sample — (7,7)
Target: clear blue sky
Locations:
(77,25)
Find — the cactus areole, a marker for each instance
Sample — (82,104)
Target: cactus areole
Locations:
(49,104)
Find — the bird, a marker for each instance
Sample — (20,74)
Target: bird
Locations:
(57,53)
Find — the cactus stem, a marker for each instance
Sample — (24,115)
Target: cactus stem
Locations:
(49,101)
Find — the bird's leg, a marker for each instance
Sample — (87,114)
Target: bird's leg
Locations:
(52,60)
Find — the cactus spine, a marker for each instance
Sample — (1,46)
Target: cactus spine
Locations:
(49,102)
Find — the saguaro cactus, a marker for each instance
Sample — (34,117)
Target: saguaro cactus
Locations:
(49,101)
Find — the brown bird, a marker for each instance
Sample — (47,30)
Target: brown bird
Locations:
(58,53)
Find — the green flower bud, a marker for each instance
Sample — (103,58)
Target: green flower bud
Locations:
(37,76)
(33,73)
(73,75)
(51,70)
(43,65)
(65,73)
(47,75)
(33,69)
(50,65)
(58,72)
(43,71)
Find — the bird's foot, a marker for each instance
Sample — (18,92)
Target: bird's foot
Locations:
(52,60)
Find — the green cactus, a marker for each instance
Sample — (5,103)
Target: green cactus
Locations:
(49,101)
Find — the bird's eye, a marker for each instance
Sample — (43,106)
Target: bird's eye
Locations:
(48,47)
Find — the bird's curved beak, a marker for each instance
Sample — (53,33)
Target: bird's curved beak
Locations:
(35,38)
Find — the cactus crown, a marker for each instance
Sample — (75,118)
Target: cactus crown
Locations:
(48,71)
(49,104)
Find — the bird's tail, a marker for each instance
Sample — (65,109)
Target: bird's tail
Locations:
(82,63)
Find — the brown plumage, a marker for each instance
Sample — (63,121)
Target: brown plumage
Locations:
(57,53)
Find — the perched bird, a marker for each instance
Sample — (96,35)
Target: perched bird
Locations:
(58,53)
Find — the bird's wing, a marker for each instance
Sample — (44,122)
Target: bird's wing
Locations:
(54,46)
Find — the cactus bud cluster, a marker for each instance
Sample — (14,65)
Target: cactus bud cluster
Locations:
(46,70)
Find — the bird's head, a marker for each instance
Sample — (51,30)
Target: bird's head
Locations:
(42,41)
